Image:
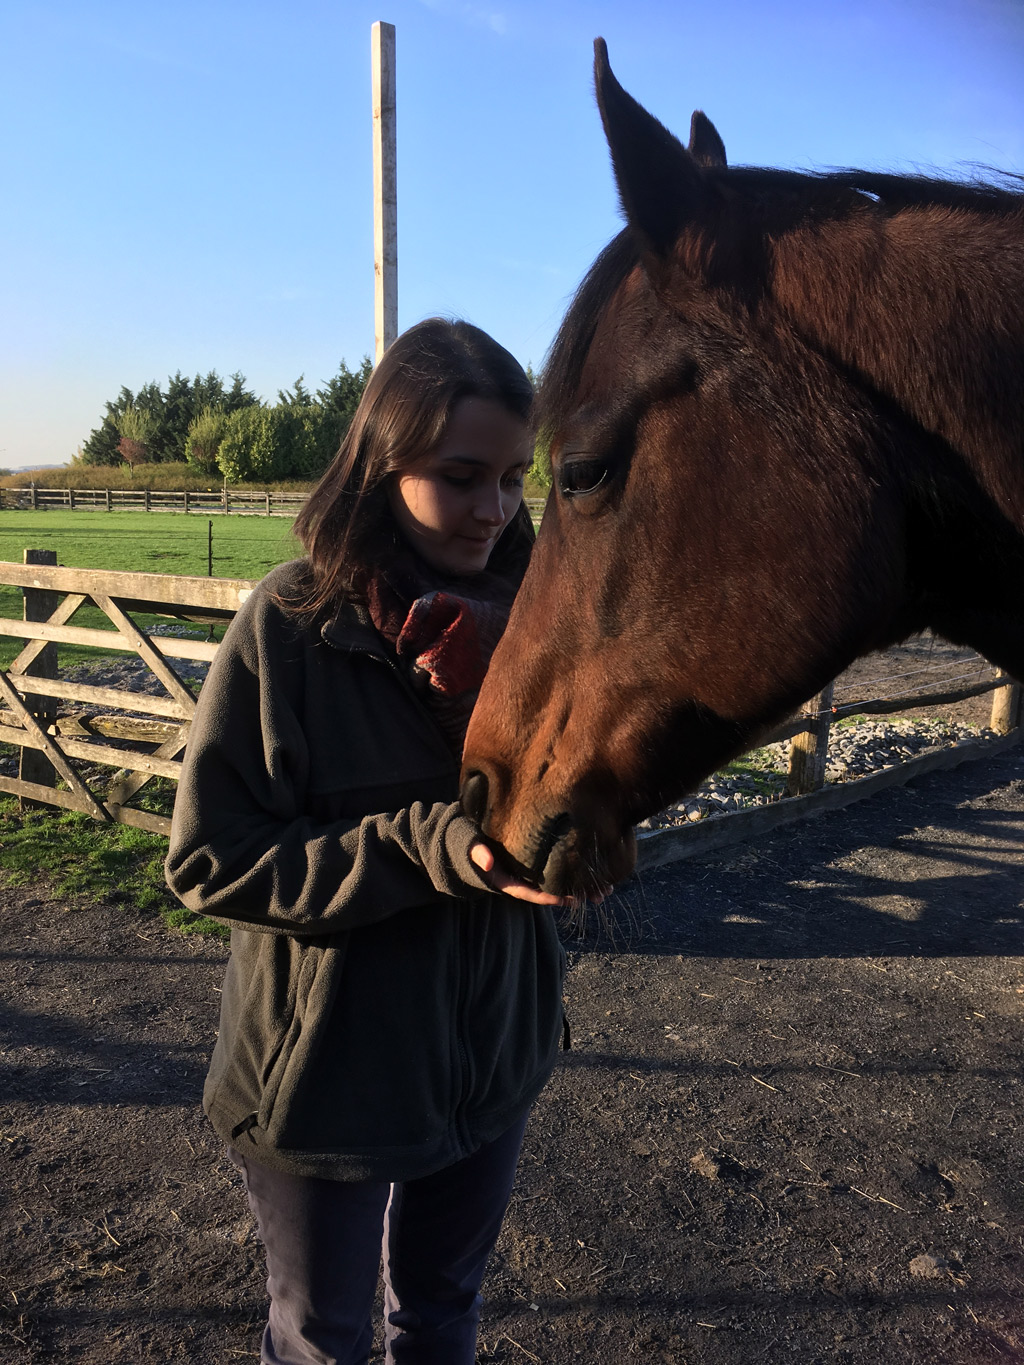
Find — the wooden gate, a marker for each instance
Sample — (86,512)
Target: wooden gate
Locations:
(155,727)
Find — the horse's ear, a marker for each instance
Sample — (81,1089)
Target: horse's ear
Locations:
(706,145)
(661,185)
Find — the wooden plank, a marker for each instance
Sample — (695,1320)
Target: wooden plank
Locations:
(60,617)
(121,792)
(152,656)
(108,696)
(385,189)
(661,846)
(53,752)
(108,640)
(153,588)
(93,753)
(124,815)
(39,605)
(130,728)
(881,706)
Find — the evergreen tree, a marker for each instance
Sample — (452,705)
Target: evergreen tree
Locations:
(238,396)
(174,413)
(342,393)
(298,396)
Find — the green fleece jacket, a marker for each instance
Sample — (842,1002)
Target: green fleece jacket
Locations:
(384,1013)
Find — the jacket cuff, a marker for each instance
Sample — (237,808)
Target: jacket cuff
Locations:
(460,835)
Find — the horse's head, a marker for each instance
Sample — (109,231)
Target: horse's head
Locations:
(724,533)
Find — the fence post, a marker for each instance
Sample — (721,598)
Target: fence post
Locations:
(35,499)
(40,604)
(107,492)
(147,499)
(186,501)
(809,749)
(71,499)
(224,495)
(1005,706)
(385,188)
(267,496)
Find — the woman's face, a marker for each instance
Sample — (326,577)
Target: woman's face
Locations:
(454,503)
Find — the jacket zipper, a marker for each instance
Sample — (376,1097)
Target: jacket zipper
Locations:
(461,953)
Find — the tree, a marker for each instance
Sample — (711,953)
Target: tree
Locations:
(238,396)
(298,396)
(174,412)
(137,426)
(203,440)
(539,472)
(102,445)
(342,393)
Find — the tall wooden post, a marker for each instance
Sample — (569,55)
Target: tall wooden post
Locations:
(1005,706)
(809,749)
(385,190)
(40,604)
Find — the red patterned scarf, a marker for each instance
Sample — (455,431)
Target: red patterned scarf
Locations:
(444,630)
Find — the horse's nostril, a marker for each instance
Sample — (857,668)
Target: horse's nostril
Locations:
(474,796)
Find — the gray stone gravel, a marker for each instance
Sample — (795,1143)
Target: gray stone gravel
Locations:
(855,750)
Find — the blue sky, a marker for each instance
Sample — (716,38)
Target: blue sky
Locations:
(188,186)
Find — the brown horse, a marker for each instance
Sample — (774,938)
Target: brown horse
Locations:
(786,427)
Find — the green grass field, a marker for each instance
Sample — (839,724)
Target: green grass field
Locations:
(243,547)
(154,542)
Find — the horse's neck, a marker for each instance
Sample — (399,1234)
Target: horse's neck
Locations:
(927,308)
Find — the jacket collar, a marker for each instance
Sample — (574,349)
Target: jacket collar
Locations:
(352,630)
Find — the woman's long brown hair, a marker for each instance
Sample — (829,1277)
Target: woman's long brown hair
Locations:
(346,523)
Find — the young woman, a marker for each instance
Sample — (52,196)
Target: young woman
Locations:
(388,1017)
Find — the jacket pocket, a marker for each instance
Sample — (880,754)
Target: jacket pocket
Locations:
(381,1070)
(300,1025)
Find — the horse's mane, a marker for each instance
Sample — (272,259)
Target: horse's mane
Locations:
(795,194)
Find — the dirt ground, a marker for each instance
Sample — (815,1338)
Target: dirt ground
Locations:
(788,1129)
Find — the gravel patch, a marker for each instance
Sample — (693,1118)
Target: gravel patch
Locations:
(855,750)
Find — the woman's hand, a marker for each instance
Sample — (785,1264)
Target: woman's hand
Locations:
(501,881)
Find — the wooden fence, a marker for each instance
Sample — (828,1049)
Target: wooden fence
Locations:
(807,792)
(152,730)
(223,501)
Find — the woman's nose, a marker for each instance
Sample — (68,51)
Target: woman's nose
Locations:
(489,506)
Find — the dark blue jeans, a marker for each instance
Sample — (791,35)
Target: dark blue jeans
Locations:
(323,1245)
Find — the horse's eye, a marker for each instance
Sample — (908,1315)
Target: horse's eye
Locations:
(581,476)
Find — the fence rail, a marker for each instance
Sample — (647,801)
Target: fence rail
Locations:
(152,730)
(223,501)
